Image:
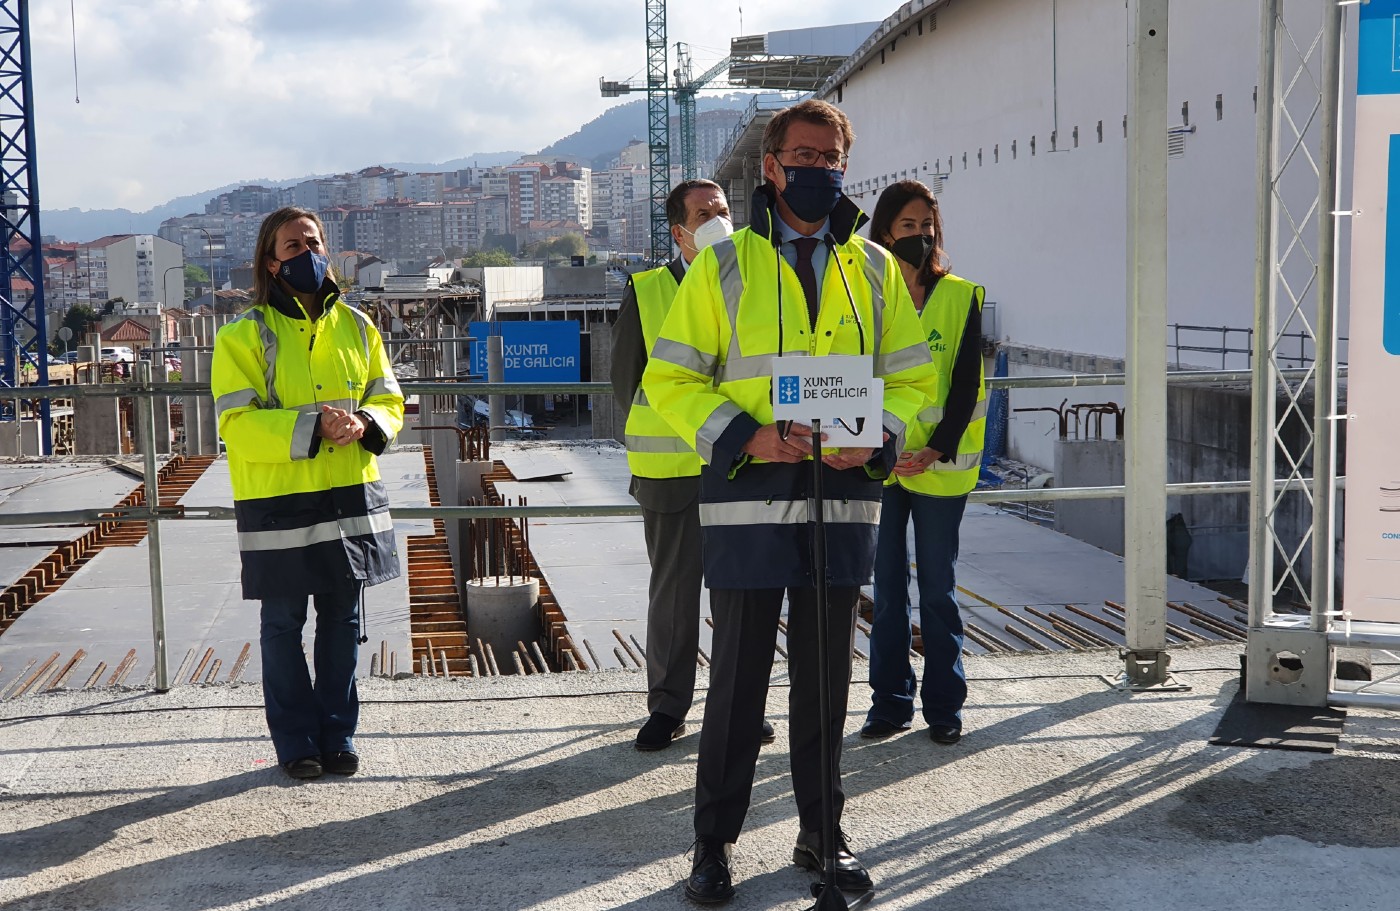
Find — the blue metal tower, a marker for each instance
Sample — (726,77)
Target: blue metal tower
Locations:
(23,328)
(658,129)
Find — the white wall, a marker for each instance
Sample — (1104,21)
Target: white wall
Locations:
(1045,232)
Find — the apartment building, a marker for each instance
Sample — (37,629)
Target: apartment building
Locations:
(133,267)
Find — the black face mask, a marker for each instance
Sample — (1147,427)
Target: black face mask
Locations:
(305,272)
(914,249)
(811,193)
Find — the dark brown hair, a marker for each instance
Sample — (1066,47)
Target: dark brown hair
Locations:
(675,202)
(266,248)
(812,110)
(892,201)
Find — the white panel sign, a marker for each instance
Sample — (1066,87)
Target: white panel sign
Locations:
(839,390)
(1372,565)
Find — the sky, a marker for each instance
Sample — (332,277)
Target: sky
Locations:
(180,96)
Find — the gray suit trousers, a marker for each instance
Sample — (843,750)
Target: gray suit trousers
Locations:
(673,596)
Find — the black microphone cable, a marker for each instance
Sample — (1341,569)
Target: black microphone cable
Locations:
(860,327)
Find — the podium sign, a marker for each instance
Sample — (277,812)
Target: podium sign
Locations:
(1372,497)
(840,390)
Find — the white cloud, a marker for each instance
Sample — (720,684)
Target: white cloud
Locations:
(179,96)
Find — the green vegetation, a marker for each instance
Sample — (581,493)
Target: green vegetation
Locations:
(481,258)
(78,319)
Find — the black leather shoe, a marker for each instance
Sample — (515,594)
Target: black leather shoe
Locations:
(878,728)
(659,731)
(303,769)
(851,875)
(769,735)
(341,763)
(944,733)
(709,882)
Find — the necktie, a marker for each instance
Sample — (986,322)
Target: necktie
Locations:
(806,274)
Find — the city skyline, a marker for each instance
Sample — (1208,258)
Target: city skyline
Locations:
(200,101)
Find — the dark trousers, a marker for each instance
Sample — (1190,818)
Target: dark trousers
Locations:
(893,682)
(308,719)
(746,628)
(673,607)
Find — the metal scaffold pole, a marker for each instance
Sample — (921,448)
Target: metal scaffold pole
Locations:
(1145,513)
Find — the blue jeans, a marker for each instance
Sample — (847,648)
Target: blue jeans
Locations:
(892,679)
(306,719)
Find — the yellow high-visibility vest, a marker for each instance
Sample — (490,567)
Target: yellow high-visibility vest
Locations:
(943,318)
(654,449)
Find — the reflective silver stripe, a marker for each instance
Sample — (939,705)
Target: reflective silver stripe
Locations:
(905,358)
(382,385)
(363,321)
(875,259)
(639,443)
(640,398)
(714,426)
(731,284)
(934,413)
(321,532)
(961,462)
(240,399)
(269,343)
(788,512)
(744,368)
(342,404)
(684,356)
(897,429)
(303,432)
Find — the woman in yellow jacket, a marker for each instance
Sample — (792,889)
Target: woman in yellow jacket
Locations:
(306,399)
(930,482)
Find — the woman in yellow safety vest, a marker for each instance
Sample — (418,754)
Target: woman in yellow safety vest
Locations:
(930,482)
(306,399)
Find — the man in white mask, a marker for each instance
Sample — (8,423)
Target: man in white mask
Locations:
(666,471)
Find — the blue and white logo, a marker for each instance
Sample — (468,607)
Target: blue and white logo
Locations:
(789,390)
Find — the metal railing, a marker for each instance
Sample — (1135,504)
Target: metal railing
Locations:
(1294,349)
(144,391)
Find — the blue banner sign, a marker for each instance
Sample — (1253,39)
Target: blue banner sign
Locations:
(1379,49)
(540,351)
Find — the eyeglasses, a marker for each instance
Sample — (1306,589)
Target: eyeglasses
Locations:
(807,158)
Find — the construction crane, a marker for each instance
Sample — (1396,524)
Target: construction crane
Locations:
(21,256)
(686,88)
(659,118)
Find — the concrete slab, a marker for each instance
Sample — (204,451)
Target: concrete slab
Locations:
(105,607)
(526,794)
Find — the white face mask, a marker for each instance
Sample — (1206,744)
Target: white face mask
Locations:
(712,231)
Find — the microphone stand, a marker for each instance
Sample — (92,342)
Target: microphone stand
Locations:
(828,896)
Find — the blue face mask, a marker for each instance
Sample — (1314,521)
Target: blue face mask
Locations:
(306,272)
(811,193)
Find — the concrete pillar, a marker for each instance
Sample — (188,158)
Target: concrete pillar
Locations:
(209,425)
(608,419)
(162,410)
(189,372)
(502,611)
(97,425)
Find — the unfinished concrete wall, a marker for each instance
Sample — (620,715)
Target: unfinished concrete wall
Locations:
(1209,435)
(1090,463)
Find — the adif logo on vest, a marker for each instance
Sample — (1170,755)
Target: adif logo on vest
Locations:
(789,390)
(935,340)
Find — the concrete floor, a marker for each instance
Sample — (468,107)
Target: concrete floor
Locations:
(526,794)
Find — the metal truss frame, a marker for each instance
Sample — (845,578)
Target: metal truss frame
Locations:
(21,253)
(1294,439)
(658,129)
